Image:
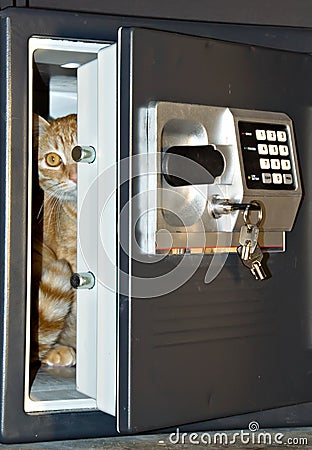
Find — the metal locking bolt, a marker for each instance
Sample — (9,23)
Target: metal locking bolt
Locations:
(84,153)
(82,280)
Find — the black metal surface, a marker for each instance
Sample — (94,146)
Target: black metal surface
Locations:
(294,13)
(5,4)
(180,355)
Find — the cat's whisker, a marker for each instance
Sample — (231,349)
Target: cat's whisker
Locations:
(56,196)
(57,215)
(40,211)
(55,205)
(52,204)
(61,191)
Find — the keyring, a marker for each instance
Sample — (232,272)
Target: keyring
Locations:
(260,214)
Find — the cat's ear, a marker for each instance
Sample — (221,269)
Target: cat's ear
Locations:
(40,125)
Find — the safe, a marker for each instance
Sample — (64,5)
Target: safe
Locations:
(193,215)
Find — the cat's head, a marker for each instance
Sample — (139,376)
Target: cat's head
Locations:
(57,170)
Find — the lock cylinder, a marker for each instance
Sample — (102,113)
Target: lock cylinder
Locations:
(219,206)
(83,153)
(82,280)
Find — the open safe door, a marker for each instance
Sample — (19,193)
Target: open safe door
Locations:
(195,146)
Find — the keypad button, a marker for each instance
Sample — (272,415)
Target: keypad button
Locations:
(275,164)
(267,178)
(262,149)
(260,135)
(283,150)
(273,149)
(264,163)
(288,179)
(277,178)
(285,163)
(281,136)
(271,135)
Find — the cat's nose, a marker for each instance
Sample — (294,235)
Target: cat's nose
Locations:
(73,175)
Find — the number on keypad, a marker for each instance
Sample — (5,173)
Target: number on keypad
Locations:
(283,150)
(262,149)
(260,135)
(277,178)
(273,150)
(271,135)
(285,163)
(281,136)
(275,164)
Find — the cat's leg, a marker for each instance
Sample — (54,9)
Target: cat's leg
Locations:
(63,353)
(54,305)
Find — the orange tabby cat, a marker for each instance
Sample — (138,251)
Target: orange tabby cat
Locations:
(54,242)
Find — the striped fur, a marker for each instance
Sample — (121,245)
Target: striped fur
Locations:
(54,243)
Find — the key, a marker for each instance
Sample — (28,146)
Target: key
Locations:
(254,264)
(248,239)
(245,250)
(258,271)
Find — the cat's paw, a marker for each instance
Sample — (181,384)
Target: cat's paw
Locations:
(60,355)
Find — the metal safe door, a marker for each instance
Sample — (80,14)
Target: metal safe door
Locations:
(189,350)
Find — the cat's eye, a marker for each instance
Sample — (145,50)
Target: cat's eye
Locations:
(53,159)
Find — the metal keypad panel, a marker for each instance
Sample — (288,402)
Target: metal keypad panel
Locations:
(267,156)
